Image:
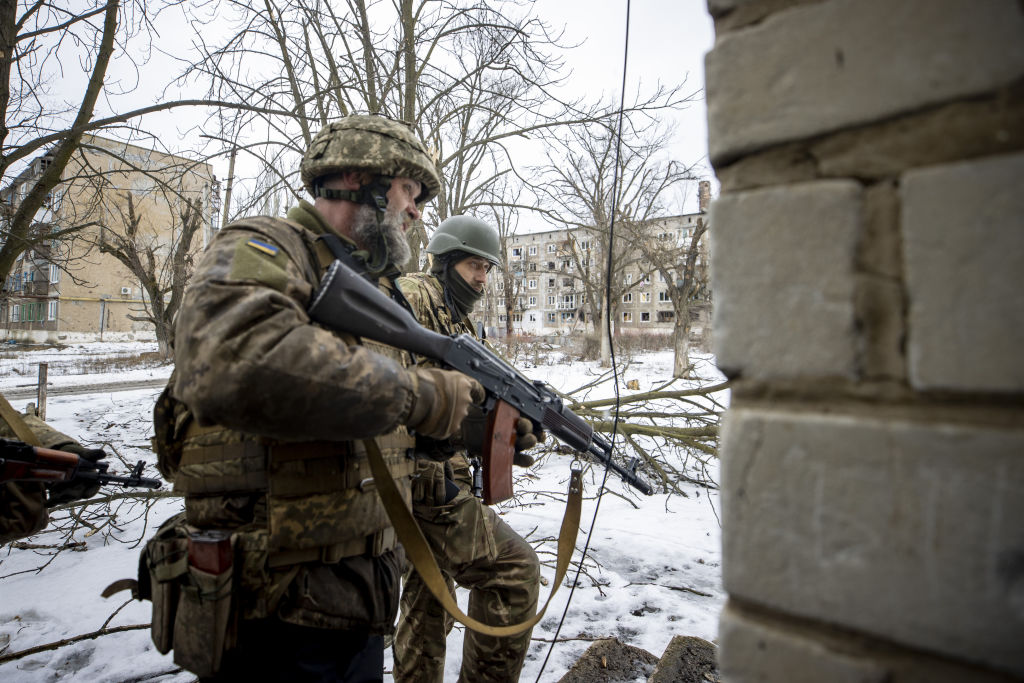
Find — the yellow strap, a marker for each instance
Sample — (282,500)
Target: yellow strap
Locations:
(422,558)
(17,423)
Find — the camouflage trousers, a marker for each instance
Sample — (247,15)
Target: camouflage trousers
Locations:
(475,548)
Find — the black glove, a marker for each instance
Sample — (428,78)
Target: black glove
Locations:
(78,488)
(527,438)
(474,427)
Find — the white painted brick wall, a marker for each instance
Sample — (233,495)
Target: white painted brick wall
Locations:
(911,531)
(822,67)
(963,243)
(782,264)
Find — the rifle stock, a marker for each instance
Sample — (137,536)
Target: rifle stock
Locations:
(348,302)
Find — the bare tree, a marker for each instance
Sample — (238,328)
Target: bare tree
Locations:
(473,78)
(579,190)
(162,270)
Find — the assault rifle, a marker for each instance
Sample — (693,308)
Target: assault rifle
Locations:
(348,302)
(21,462)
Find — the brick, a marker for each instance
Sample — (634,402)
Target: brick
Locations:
(963,243)
(761,647)
(754,652)
(783,270)
(823,67)
(904,529)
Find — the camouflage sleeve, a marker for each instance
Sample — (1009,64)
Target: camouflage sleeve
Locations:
(415,292)
(22,510)
(249,358)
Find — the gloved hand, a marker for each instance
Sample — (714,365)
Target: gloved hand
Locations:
(432,484)
(527,438)
(78,489)
(442,400)
(475,426)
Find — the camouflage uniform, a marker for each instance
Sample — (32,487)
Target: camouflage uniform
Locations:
(276,409)
(23,503)
(473,546)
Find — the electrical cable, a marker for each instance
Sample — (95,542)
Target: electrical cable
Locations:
(611,343)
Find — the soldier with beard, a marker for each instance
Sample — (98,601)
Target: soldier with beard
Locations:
(269,421)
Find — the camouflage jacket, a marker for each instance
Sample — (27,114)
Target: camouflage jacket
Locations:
(23,504)
(277,409)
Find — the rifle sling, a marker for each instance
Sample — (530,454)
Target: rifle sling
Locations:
(422,558)
(17,423)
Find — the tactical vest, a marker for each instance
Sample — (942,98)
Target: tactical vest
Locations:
(315,500)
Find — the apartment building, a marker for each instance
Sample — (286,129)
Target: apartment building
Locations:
(555,280)
(64,288)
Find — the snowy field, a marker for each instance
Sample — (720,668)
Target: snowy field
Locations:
(652,571)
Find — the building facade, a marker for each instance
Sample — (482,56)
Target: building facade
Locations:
(64,288)
(554,282)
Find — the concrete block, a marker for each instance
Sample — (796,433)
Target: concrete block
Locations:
(783,269)
(753,652)
(757,647)
(827,66)
(963,243)
(908,530)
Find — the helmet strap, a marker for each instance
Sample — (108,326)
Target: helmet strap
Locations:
(374,195)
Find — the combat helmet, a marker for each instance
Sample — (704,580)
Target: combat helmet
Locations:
(468,234)
(374,144)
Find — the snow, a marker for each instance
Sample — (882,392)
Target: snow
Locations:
(652,570)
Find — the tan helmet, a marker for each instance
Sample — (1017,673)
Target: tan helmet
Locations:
(373,144)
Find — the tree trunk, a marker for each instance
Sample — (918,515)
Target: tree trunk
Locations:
(681,345)
(602,331)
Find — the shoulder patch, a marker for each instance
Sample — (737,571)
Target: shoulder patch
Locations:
(269,249)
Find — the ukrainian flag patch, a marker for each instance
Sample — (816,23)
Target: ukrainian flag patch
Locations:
(268,249)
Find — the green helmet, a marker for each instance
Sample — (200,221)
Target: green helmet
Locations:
(373,144)
(468,234)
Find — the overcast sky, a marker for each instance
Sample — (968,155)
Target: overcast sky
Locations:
(668,41)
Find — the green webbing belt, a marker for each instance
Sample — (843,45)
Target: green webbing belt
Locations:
(422,558)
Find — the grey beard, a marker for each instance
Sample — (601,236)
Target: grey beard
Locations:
(366,233)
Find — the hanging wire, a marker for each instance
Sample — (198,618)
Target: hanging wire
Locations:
(611,342)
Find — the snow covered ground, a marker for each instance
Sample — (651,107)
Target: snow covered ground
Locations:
(653,568)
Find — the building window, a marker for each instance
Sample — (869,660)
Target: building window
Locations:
(665,316)
(517,252)
(501,302)
(533,266)
(502,318)
(629,278)
(551,282)
(517,317)
(585,262)
(533,317)
(645,297)
(551,248)
(566,265)
(551,301)
(645,317)
(501,285)
(532,301)
(551,317)
(585,245)
(532,284)
(627,316)
(54,273)
(627,298)
(551,265)
(663,296)
(533,251)
(567,282)
(15,314)
(568,316)
(51,310)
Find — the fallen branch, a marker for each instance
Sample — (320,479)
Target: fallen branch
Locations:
(69,641)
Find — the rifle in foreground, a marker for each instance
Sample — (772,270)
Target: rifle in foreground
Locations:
(348,302)
(22,462)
